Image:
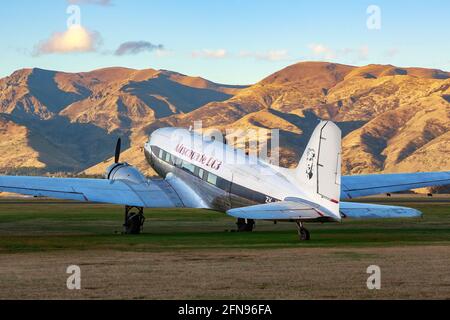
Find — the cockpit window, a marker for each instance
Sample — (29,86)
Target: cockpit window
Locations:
(155,150)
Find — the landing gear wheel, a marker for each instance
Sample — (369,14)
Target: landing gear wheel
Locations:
(134,224)
(245,225)
(134,221)
(303,233)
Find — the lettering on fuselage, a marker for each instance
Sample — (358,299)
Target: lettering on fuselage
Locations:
(198,157)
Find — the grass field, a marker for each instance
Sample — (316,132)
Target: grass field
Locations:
(193,254)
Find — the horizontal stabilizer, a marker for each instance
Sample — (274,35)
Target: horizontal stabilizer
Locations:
(295,209)
(376,211)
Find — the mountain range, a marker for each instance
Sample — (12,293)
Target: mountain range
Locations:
(393,119)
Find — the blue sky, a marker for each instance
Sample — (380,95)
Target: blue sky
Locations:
(229,41)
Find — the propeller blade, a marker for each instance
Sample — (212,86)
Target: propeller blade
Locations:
(117,154)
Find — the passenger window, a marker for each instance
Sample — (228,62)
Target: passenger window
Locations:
(167,158)
(212,178)
(188,166)
(177,161)
(161,152)
(200,173)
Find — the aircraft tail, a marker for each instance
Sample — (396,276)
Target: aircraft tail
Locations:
(319,170)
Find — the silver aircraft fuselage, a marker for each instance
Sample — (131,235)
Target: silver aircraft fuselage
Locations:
(204,169)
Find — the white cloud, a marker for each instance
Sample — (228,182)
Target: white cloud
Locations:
(74,39)
(207,53)
(392,52)
(363,52)
(164,53)
(352,54)
(322,51)
(97,2)
(271,55)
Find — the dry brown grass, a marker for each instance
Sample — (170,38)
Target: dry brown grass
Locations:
(304,273)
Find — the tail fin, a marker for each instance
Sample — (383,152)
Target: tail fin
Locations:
(319,170)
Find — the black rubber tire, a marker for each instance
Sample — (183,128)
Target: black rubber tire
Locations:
(304,234)
(134,224)
(243,226)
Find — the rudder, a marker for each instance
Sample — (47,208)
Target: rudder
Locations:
(319,170)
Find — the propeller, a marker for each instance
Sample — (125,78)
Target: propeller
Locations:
(117,154)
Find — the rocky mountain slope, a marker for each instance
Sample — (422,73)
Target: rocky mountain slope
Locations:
(393,119)
(69,121)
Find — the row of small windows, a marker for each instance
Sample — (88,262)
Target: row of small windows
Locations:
(189,167)
(209,177)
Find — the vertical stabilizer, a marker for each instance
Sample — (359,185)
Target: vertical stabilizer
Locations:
(319,170)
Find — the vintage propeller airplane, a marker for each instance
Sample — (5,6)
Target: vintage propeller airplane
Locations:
(196,174)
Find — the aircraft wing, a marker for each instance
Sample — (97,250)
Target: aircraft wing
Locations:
(151,194)
(371,184)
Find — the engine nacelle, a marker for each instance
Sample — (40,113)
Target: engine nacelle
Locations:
(123,171)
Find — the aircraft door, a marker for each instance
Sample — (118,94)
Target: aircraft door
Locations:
(229,191)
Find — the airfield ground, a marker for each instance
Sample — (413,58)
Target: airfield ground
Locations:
(191,254)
